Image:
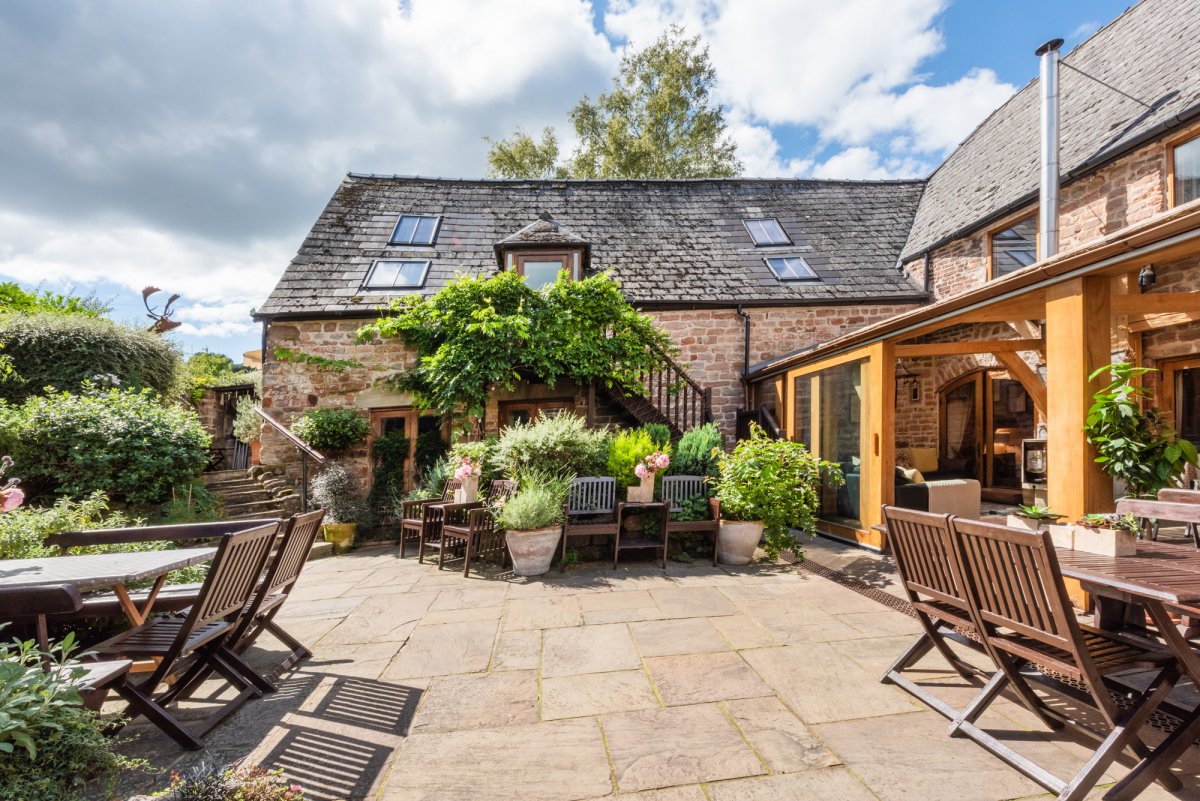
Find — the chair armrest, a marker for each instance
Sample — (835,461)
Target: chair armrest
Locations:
(413,508)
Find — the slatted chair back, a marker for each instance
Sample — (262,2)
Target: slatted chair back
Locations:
(1014,582)
(592,496)
(922,545)
(500,491)
(235,572)
(677,489)
(298,537)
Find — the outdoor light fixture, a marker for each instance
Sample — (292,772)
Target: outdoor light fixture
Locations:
(909,381)
(1147,278)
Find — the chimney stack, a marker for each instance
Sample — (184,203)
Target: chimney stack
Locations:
(1048,190)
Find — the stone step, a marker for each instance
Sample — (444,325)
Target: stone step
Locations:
(245,496)
(236,510)
(320,550)
(217,476)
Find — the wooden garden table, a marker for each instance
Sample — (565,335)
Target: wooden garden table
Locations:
(104,571)
(1158,576)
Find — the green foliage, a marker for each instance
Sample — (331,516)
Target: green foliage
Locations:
(479,451)
(1111,520)
(693,508)
(51,747)
(123,442)
(206,782)
(627,449)
(15,299)
(69,351)
(559,444)
(478,336)
(1035,512)
(431,447)
(658,121)
(660,433)
(313,360)
(775,481)
(1132,436)
(23,530)
(336,491)
(332,430)
(432,481)
(247,425)
(205,370)
(389,452)
(191,504)
(539,502)
(694,452)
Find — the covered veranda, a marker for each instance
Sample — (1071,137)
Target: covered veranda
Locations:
(957,386)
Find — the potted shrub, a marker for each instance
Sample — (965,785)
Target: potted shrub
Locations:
(332,430)
(532,521)
(768,487)
(1107,534)
(1033,517)
(336,491)
(247,426)
(646,471)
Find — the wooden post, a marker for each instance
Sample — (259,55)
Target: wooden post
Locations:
(1078,342)
(878,435)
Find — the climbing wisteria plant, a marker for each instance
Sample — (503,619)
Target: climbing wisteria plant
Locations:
(481,335)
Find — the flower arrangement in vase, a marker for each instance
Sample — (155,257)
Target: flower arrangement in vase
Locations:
(647,470)
(467,472)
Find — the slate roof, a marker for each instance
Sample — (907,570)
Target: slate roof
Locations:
(545,230)
(668,242)
(1152,52)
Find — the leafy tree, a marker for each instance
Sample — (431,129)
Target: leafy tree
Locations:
(15,299)
(210,363)
(658,121)
(480,335)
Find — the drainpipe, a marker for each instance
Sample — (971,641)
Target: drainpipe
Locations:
(745,358)
(1048,189)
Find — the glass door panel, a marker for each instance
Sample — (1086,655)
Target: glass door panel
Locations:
(961,428)
(840,437)
(1012,420)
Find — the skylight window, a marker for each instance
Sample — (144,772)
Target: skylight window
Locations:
(767,231)
(414,229)
(791,268)
(397,275)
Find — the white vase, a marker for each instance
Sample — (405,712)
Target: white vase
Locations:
(642,493)
(738,539)
(532,551)
(469,490)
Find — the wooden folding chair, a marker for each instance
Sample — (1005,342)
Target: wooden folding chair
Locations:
(97,679)
(420,519)
(455,529)
(591,511)
(932,579)
(484,538)
(675,490)
(202,636)
(1017,596)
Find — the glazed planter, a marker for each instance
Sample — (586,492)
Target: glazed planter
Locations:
(532,551)
(340,534)
(1062,535)
(469,490)
(641,493)
(738,539)
(1105,541)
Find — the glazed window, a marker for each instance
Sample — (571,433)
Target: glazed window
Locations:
(1014,247)
(766,231)
(408,274)
(791,268)
(542,268)
(415,229)
(1186,180)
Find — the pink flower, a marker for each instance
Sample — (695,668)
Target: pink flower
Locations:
(12,499)
(641,471)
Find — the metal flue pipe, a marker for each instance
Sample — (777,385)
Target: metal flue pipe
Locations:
(1048,190)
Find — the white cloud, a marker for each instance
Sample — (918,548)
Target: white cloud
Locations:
(761,154)
(864,163)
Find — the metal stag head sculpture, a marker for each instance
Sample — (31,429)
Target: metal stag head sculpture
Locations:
(162,320)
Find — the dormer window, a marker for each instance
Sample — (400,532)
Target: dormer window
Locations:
(791,268)
(415,229)
(766,231)
(402,274)
(541,268)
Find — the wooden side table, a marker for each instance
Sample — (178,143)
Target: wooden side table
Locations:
(641,539)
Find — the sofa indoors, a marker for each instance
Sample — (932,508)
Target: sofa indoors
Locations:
(954,496)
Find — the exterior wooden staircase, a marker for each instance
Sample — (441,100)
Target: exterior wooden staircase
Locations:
(670,396)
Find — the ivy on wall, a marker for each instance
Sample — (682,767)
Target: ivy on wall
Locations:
(283,354)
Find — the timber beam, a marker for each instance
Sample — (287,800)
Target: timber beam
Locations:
(968,348)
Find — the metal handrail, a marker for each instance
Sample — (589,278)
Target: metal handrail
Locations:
(306,453)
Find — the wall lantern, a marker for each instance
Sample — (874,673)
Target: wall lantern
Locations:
(1147,278)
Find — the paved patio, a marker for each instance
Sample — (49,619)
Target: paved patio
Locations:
(694,683)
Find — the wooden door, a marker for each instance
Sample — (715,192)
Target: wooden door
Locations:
(403,420)
(960,427)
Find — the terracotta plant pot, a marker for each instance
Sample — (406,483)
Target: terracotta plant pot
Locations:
(641,493)
(532,551)
(738,540)
(255,451)
(340,534)
(1105,541)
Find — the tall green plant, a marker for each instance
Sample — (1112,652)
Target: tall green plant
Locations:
(627,449)
(694,451)
(389,452)
(1135,442)
(562,443)
(775,481)
(332,430)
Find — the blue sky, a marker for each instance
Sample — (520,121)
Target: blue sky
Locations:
(190,145)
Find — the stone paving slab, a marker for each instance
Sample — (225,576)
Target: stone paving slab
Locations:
(827,785)
(700,678)
(518,650)
(778,735)
(588,649)
(669,637)
(525,614)
(484,701)
(692,602)
(464,647)
(596,694)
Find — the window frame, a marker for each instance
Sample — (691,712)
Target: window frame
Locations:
(1011,222)
(1188,135)
(787,239)
(781,257)
(571,260)
(366,284)
(437,228)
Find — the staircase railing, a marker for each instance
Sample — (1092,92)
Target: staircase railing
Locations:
(676,395)
(306,453)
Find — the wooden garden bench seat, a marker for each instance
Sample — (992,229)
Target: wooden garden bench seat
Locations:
(675,490)
(591,511)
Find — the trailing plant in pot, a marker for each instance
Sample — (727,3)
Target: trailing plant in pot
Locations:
(336,491)
(332,430)
(532,520)
(1132,436)
(247,425)
(768,487)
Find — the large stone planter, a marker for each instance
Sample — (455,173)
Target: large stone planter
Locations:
(341,535)
(739,538)
(1105,541)
(532,551)
(1063,535)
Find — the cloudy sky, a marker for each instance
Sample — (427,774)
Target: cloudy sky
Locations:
(190,145)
